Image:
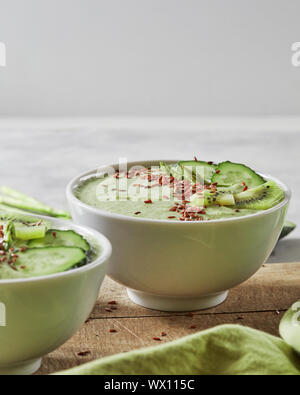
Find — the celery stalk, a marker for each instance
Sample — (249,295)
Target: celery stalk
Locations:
(21,201)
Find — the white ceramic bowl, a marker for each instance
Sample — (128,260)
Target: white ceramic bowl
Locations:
(39,314)
(180,266)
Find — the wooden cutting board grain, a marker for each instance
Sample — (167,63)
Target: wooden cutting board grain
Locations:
(259,303)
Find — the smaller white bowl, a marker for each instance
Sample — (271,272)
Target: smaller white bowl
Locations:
(179,266)
(37,315)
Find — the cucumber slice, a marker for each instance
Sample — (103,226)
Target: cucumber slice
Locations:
(228,173)
(66,238)
(203,169)
(49,260)
(24,226)
(28,232)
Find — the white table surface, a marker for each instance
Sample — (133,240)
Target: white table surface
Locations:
(39,157)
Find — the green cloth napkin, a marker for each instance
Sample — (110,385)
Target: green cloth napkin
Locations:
(225,349)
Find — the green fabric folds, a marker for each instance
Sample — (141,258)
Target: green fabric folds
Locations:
(223,350)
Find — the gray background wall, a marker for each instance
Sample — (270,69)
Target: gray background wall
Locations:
(149,57)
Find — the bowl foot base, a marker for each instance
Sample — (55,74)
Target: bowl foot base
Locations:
(25,368)
(170,303)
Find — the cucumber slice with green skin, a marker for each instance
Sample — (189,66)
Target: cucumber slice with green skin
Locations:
(67,238)
(205,170)
(287,229)
(36,262)
(228,173)
(29,232)
(261,197)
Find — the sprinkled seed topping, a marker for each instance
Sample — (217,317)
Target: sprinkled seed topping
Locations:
(184,188)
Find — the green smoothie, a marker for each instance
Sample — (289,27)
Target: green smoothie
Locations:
(183,191)
(30,247)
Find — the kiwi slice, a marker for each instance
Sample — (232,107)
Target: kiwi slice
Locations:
(236,188)
(219,197)
(261,197)
(206,198)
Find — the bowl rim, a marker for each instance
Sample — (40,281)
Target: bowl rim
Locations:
(104,255)
(72,199)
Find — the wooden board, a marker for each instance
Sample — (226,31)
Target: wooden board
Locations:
(259,303)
